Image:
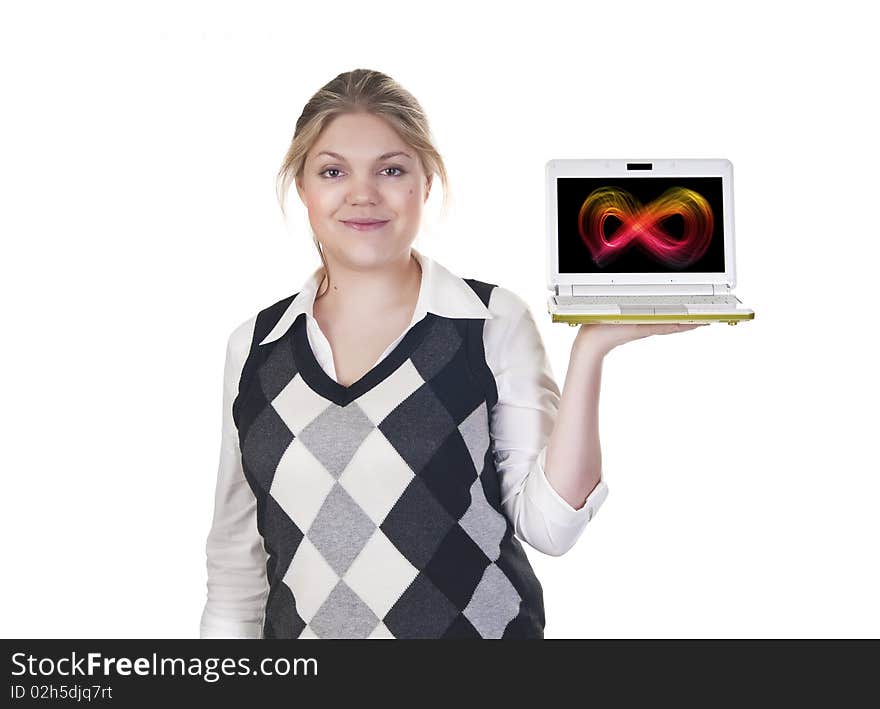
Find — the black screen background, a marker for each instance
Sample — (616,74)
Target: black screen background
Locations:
(574,257)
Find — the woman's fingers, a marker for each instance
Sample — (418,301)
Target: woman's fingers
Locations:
(677,327)
(613,335)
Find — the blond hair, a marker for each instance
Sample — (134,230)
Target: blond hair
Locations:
(360,91)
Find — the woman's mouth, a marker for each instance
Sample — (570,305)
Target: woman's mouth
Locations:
(365,226)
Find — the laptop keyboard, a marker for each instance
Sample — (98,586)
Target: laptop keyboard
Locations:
(646,299)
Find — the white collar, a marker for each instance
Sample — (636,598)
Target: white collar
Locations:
(441,292)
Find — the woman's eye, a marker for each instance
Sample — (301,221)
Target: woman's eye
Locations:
(400,171)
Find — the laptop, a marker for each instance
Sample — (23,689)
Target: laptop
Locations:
(641,241)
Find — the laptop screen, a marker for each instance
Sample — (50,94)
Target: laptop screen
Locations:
(640,225)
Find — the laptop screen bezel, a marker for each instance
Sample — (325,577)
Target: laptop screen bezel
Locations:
(556,168)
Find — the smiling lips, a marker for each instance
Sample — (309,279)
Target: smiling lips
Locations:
(370,225)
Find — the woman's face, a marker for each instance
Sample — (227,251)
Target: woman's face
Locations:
(359,183)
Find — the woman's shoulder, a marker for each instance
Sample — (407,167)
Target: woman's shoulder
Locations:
(257,325)
(511,336)
(505,304)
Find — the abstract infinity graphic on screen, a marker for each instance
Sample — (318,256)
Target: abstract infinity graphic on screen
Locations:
(641,225)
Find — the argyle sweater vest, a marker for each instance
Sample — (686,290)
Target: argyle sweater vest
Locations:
(379,503)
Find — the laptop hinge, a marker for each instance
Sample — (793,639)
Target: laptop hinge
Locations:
(641,289)
(721,288)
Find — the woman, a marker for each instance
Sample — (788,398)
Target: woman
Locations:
(391,431)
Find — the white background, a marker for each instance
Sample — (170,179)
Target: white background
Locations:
(139,147)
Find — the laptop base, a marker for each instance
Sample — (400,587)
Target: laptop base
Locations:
(572,319)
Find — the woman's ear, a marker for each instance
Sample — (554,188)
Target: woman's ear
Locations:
(299,191)
(430,179)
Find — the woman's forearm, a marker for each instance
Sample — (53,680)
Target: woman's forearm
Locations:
(573,464)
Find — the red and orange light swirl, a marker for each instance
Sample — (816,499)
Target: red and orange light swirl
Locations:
(641,225)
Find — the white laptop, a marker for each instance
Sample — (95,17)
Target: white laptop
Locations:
(641,241)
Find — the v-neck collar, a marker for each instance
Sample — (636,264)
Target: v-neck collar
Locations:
(322,383)
(441,292)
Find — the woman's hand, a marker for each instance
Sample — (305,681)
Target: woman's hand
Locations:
(606,336)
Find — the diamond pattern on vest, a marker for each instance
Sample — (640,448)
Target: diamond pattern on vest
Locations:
(375,513)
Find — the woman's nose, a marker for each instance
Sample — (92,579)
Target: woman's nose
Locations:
(362,190)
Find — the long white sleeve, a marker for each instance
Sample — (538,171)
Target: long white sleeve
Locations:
(236,557)
(521,423)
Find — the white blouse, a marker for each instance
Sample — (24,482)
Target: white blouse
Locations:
(520,425)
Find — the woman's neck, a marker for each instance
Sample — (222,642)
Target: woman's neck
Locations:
(359,293)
